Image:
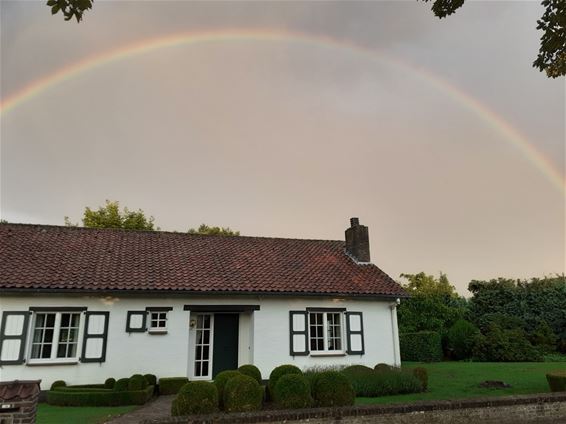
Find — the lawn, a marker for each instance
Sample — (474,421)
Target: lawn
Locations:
(48,414)
(456,380)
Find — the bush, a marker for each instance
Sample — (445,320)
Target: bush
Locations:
(422,346)
(242,394)
(461,338)
(499,345)
(422,375)
(557,381)
(58,383)
(384,383)
(279,372)
(171,385)
(122,385)
(220,381)
(357,369)
(251,371)
(332,388)
(292,391)
(151,379)
(383,367)
(109,383)
(137,382)
(98,397)
(544,338)
(196,397)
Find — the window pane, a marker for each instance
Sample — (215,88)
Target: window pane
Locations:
(198,368)
(50,320)
(65,320)
(204,369)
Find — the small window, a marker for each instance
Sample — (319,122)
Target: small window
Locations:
(325,332)
(158,322)
(55,336)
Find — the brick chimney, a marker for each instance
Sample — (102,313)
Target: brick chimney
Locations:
(357,241)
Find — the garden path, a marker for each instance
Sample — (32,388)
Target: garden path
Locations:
(158,407)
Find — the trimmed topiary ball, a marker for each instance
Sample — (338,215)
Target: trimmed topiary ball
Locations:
(137,382)
(151,379)
(422,375)
(196,397)
(279,372)
(122,385)
(383,367)
(251,371)
(293,391)
(109,383)
(332,388)
(242,394)
(58,383)
(220,381)
(357,369)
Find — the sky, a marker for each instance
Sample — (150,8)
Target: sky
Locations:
(438,134)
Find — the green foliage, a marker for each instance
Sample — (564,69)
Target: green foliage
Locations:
(252,371)
(423,346)
(357,369)
(151,379)
(58,383)
(171,385)
(213,231)
(543,338)
(242,394)
(422,375)
(292,391)
(121,385)
(137,382)
(196,397)
(109,383)
(332,388)
(110,216)
(382,382)
(279,372)
(557,381)
(70,8)
(98,397)
(220,381)
(502,345)
(383,367)
(461,338)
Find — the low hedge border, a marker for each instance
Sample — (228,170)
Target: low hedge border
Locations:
(171,385)
(98,397)
(338,413)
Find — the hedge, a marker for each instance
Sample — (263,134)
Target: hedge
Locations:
(98,397)
(171,385)
(251,371)
(557,381)
(279,372)
(383,383)
(293,392)
(423,346)
(332,388)
(196,397)
(242,394)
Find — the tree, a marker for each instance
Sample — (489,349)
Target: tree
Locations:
(110,216)
(552,51)
(213,231)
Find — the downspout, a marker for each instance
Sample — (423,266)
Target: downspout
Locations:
(395,333)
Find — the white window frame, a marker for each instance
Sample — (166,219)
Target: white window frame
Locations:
(151,328)
(210,349)
(326,351)
(53,359)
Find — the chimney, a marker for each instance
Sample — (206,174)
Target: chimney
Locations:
(357,241)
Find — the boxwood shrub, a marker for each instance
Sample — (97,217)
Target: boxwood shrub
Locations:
(137,382)
(292,391)
(151,379)
(332,388)
(242,393)
(98,397)
(171,385)
(557,381)
(277,373)
(251,371)
(220,381)
(109,383)
(196,397)
(122,385)
(422,346)
(58,383)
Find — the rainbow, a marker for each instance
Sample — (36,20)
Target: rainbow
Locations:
(483,112)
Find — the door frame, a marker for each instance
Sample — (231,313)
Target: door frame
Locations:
(193,346)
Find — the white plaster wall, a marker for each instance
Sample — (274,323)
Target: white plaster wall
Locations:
(263,338)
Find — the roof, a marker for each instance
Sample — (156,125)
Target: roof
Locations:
(43,257)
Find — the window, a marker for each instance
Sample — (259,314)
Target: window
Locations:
(325,332)
(158,322)
(203,345)
(55,336)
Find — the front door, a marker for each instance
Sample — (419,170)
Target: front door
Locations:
(225,350)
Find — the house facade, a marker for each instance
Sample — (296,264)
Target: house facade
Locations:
(83,305)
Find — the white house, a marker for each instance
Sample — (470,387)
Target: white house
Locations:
(82,305)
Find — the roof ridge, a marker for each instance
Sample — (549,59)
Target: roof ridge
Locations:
(177,233)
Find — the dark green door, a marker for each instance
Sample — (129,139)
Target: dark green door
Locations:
(225,355)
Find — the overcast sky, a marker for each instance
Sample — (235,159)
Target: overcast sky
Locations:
(291,139)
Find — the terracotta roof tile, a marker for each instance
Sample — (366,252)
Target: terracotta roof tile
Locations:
(51,257)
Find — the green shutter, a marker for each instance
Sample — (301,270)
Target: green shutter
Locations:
(355,333)
(95,336)
(298,333)
(13,334)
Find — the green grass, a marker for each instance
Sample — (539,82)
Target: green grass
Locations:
(49,414)
(457,380)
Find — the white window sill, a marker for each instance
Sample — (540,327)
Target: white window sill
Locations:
(157,331)
(35,362)
(329,353)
